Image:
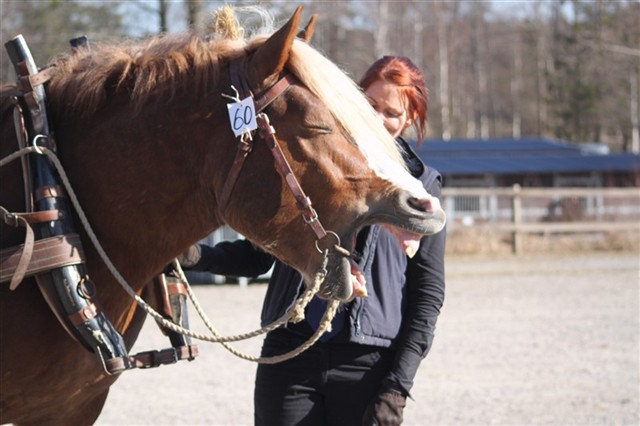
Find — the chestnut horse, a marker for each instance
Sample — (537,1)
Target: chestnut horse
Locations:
(143,133)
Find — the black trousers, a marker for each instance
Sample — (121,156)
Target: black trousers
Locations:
(328,384)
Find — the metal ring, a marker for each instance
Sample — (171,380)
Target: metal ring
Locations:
(328,233)
(86,289)
(35,144)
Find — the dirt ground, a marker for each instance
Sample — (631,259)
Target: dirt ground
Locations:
(532,340)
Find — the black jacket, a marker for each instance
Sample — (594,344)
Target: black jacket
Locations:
(405,295)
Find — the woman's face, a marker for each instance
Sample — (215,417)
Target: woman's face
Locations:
(388,102)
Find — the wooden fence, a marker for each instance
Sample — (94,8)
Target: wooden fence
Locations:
(519,211)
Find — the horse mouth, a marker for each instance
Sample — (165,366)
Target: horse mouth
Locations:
(344,279)
(338,282)
(411,219)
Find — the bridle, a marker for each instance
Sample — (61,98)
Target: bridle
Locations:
(267,133)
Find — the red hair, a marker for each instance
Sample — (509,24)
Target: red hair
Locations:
(402,72)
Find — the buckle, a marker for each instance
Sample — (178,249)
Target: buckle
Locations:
(11,219)
(310,215)
(158,358)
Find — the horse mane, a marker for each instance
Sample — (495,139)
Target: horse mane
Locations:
(86,79)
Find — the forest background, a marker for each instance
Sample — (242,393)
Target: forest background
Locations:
(559,69)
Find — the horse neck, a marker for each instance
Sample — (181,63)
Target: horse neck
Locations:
(147,190)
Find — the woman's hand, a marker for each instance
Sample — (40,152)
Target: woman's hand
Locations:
(385,409)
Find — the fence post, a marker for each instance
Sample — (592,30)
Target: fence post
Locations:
(516,208)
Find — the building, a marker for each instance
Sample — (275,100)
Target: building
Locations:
(529,162)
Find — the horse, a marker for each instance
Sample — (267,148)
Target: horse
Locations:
(143,133)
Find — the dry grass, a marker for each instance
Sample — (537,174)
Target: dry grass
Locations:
(483,241)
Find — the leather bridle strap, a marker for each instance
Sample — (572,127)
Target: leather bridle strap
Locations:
(267,132)
(272,93)
(239,81)
(245,144)
(236,72)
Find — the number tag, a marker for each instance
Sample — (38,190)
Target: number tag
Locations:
(242,116)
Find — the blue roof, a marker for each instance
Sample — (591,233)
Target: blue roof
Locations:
(514,156)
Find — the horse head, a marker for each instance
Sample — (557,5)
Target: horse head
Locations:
(344,159)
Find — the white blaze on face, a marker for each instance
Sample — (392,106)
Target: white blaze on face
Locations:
(392,169)
(401,178)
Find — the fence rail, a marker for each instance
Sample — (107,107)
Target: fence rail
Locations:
(520,211)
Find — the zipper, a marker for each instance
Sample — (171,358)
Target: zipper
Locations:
(357,321)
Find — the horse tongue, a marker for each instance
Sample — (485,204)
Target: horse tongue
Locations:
(409,242)
(338,283)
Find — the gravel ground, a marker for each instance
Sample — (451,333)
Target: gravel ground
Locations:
(540,339)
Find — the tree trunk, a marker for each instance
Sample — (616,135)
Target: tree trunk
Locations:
(162,12)
(443,56)
(634,76)
(516,90)
(194,10)
(382,32)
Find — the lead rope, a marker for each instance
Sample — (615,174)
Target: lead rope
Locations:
(295,313)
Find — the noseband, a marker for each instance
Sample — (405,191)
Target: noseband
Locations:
(267,133)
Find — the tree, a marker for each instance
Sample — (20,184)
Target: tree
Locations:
(568,69)
(48,25)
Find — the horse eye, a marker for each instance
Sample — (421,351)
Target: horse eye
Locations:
(317,129)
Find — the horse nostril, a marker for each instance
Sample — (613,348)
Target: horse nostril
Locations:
(428,205)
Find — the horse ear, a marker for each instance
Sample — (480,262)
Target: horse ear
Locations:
(270,58)
(308,31)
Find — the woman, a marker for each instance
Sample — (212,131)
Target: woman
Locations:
(361,372)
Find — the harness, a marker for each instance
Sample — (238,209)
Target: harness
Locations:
(52,252)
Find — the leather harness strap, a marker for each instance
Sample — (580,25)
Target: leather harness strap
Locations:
(46,254)
(85,314)
(26,83)
(244,148)
(15,219)
(16,262)
(49,191)
(176,286)
(18,272)
(152,359)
